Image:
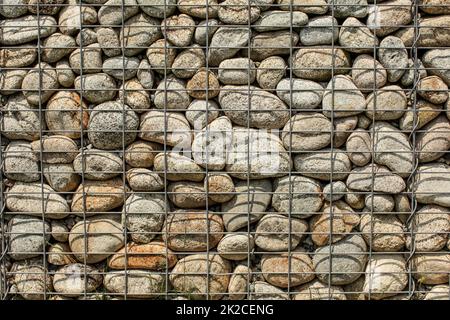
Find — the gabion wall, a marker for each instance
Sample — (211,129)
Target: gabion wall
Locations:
(225,149)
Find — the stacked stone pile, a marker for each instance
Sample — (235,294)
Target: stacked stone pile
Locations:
(225,149)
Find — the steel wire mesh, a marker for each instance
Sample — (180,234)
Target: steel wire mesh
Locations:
(320,240)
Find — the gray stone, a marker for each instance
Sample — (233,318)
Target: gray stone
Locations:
(249,204)
(394,57)
(188,62)
(379,203)
(141,179)
(409,75)
(439,292)
(26,29)
(238,12)
(97,87)
(235,246)
(135,283)
(97,164)
(61,176)
(237,287)
(63,114)
(334,191)
(31,279)
(198,285)
(387,103)
(13,8)
(322,30)
(297,196)
(392,149)
(343,98)
(225,43)
(210,146)
(144,215)
(121,68)
(199,8)
(305,94)
(177,167)
(349,8)
(11,81)
(278,20)
(178,29)
(171,93)
(273,232)
(104,238)
(188,195)
(139,32)
(19,56)
(367,73)
(111,12)
(86,60)
(357,37)
(343,127)
(306,6)
(263,291)
(109,41)
(70,280)
(86,36)
(386,276)
(34,198)
(72,17)
(201,112)
(161,55)
(382,232)
(237,100)
(323,165)
(273,43)
(106,125)
(237,71)
(55,149)
(433,141)
(257,154)
(56,47)
(361,178)
(205,30)
(20,120)
(64,73)
(171,128)
(389,16)
(27,238)
(346,264)
(431,268)
(60,232)
(277,268)
(316,290)
(158,8)
(431,226)
(134,95)
(358,147)
(317,63)
(145,74)
(437,61)
(39,83)
(432,184)
(270,72)
(20,162)
(433,89)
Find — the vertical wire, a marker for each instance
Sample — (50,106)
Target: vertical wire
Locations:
(124,190)
(206,166)
(410,222)
(368,273)
(166,124)
(3,233)
(291,128)
(41,150)
(83,157)
(333,65)
(249,96)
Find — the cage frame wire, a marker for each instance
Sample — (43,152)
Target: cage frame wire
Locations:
(412,291)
